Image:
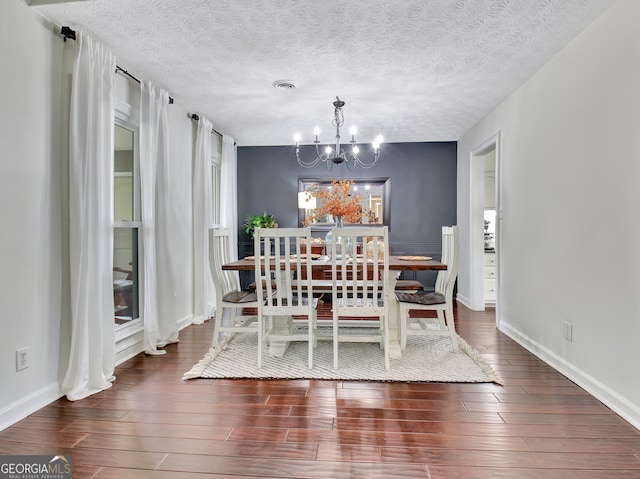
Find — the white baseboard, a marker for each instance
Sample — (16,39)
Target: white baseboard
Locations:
(185,321)
(464,300)
(607,396)
(26,406)
(129,344)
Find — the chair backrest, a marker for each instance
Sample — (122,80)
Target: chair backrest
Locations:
(224,281)
(360,281)
(446,279)
(280,257)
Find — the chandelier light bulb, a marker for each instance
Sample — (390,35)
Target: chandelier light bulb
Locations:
(296,138)
(328,150)
(316,131)
(353,130)
(355,150)
(376,143)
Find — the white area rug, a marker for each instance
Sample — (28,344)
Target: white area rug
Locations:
(426,359)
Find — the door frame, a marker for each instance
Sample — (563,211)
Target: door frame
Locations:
(476,219)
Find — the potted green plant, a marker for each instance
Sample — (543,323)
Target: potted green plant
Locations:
(258,221)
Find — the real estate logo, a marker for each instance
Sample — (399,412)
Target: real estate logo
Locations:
(35,467)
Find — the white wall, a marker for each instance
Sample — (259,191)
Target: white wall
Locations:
(30,208)
(570,194)
(33,204)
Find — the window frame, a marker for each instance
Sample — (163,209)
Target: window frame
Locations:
(124,120)
(216,179)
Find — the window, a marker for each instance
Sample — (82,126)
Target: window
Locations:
(126,238)
(216,166)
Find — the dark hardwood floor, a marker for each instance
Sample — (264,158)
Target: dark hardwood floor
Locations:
(152,424)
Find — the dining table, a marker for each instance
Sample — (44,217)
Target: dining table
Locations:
(321,263)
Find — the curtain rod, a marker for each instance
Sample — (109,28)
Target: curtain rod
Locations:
(196,117)
(68,33)
(125,72)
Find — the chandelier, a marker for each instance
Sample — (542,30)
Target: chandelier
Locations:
(337,156)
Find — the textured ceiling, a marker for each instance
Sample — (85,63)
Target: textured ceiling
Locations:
(413,70)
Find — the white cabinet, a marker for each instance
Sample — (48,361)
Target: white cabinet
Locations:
(489,277)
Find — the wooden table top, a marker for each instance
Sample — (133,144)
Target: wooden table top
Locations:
(395,263)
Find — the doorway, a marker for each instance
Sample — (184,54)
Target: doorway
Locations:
(485,224)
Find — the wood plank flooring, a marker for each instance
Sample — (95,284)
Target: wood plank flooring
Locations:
(152,424)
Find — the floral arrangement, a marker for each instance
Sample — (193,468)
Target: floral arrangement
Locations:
(338,201)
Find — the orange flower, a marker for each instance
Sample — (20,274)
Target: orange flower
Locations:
(337,201)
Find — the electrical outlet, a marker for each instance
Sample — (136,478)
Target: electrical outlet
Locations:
(567,331)
(22,358)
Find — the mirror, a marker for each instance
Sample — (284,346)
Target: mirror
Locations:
(375,193)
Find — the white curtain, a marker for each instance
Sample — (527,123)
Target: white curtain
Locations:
(229,191)
(204,292)
(92,354)
(159,330)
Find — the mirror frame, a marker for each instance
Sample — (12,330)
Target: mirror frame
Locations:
(385,183)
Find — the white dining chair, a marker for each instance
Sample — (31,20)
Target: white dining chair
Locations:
(284,278)
(229,297)
(440,300)
(360,287)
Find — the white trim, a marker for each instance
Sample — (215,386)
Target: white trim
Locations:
(127,224)
(475,237)
(129,345)
(606,395)
(463,300)
(123,331)
(25,406)
(128,337)
(185,321)
(126,113)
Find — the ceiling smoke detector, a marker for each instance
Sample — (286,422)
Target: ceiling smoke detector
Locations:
(284,85)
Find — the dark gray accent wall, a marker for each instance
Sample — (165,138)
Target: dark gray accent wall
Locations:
(423,190)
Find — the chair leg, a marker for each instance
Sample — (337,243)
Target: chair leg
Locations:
(310,346)
(217,326)
(402,326)
(335,343)
(315,334)
(442,323)
(310,339)
(260,339)
(259,358)
(385,325)
(451,326)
